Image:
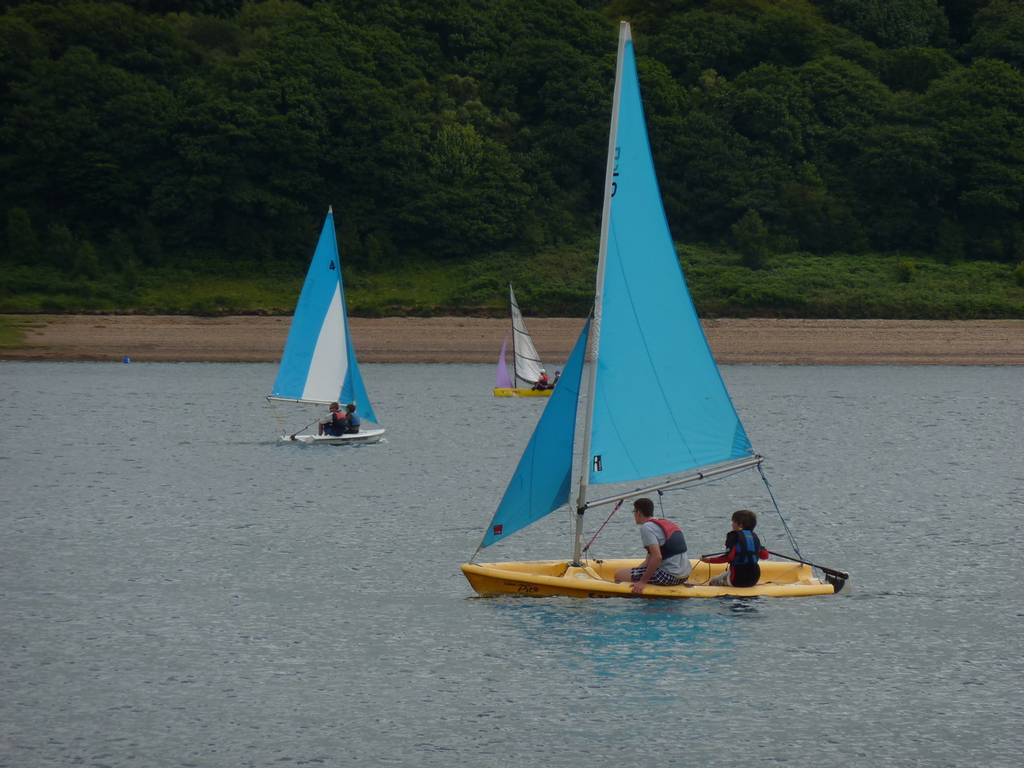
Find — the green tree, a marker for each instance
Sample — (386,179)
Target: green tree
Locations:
(150,248)
(20,46)
(211,7)
(903,175)
(978,115)
(788,34)
(130,278)
(961,17)
(119,251)
(22,241)
(915,68)
(86,263)
(999,32)
(891,23)
(948,243)
(691,42)
(61,247)
(90,139)
(750,236)
(818,218)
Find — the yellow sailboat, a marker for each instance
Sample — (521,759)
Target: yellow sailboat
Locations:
(656,413)
(526,365)
(554,578)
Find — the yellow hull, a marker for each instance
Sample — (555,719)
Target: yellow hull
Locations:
(551,578)
(521,392)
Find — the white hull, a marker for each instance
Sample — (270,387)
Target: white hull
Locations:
(364,437)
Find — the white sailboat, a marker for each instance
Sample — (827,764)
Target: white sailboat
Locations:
(319,364)
(526,364)
(657,414)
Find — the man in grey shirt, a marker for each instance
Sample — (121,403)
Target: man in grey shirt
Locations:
(666,564)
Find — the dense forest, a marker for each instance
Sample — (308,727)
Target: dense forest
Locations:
(171,136)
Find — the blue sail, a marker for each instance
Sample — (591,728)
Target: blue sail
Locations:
(319,363)
(540,484)
(660,404)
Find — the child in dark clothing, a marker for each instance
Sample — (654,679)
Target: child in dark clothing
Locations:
(744,549)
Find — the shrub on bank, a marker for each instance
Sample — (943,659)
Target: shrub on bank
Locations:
(554,282)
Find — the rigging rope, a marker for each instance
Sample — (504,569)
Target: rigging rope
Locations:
(785,525)
(594,537)
(771,495)
(278,417)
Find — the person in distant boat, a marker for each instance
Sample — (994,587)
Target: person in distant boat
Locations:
(558,375)
(743,550)
(667,564)
(542,382)
(335,423)
(352,421)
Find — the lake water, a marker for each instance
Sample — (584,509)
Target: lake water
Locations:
(176,589)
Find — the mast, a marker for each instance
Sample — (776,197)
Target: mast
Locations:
(595,328)
(512,321)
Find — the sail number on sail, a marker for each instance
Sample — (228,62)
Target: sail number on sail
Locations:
(615,172)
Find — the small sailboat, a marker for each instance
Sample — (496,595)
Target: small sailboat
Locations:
(526,365)
(319,365)
(657,414)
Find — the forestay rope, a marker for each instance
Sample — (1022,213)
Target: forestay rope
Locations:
(598,531)
(785,525)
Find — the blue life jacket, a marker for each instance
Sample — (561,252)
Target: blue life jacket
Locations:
(353,423)
(675,542)
(747,548)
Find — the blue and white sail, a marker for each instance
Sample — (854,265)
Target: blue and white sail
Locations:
(540,484)
(319,362)
(660,405)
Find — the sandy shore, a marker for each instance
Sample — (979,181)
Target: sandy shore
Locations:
(476,340)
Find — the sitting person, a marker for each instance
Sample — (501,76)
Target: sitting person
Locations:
(352,421)
(335,423)
(542,382)
(743,551)
(558,375)
(666,563)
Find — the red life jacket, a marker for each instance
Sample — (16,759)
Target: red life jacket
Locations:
(675,542)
